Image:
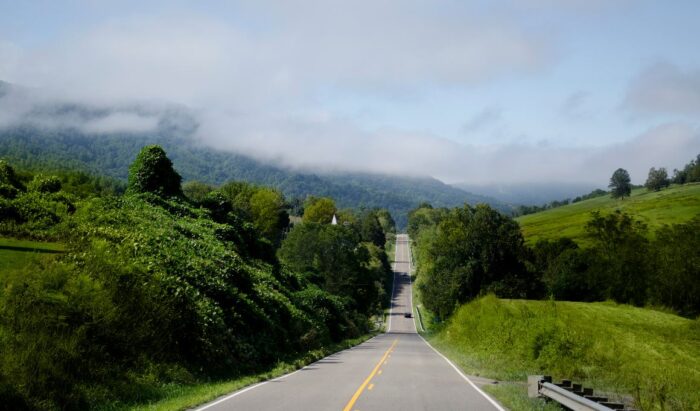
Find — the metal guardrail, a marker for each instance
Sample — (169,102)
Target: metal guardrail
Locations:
(571,396)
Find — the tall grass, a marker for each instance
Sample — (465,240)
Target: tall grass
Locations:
(651,356)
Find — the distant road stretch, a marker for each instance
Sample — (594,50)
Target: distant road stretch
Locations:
(396,370)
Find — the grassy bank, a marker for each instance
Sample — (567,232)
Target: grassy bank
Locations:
(181,397)
(648,355)
(18,253)
(677,204)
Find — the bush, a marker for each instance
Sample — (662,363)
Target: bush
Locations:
(45,184)
(153,172)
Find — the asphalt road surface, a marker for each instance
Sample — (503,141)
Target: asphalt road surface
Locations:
(396,370)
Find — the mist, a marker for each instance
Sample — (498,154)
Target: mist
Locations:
(274,83)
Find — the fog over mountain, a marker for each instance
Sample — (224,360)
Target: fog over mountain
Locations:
(467,92)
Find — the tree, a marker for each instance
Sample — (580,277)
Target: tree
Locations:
(319,210)
(153,172)
(657,179)
(474,250)
(620,185)
(621,256)
(269,213)
(196,191)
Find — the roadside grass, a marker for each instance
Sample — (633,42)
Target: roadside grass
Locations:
(18,253)
(182,397)
(649,356)
(673,205)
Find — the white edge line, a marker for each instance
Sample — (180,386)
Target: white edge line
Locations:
(491,400)
(393,285)
(281,377)
(410,288)
(228,397)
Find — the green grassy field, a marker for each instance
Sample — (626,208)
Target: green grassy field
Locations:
(18,253)
(676,204)
(645,355)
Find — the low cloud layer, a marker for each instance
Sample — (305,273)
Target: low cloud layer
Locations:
(664,88)
(268,79)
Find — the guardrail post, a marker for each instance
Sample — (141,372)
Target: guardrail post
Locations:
(533,385)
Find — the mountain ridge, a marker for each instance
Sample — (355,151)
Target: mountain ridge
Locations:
(110,155)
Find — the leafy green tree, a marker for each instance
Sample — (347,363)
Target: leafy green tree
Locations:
(676,278)
(196,190)
(269,212)
(333,257)
(475,250)
(45,184)
(620,184)
(657,179)
(371,229)
(153,172)
(386,221)
(623,259)
(319,210)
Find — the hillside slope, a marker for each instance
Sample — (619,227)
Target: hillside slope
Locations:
(647,355)
(676,204)
(111,154)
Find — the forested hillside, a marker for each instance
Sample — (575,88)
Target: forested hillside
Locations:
(110,155)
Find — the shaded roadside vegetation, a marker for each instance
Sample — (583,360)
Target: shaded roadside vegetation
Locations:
(166,284)
(468,251)
(469,257)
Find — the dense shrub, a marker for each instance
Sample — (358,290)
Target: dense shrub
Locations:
(153,172)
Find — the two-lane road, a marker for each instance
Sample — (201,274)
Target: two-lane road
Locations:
(396,370)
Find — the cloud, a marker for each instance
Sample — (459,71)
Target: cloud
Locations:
(664,88)
(289,54)
(121,123)
(574,105)
(486,117)
(260,84)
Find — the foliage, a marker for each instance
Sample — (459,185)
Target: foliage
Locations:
(657,179)
(153,172)
(620,184)
(650,355)
(676,283)
(334,258)
(154,289)
(475,249)
(45,184)
(688,174)
(196,191)
(319,210)
(621,256)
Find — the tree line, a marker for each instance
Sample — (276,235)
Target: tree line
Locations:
(469,251)
(164,283)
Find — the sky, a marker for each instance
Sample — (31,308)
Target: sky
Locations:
(478,92)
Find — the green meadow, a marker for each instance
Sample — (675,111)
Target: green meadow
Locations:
(647,356)
(18,253)
(676,204)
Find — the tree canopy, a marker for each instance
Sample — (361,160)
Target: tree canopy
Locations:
(153,172)
(319,210)
(620,184)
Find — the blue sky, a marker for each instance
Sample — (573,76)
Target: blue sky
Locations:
(508,91)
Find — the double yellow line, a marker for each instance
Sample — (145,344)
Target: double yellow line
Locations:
(359,391)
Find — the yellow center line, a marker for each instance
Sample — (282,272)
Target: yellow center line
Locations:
(359,391)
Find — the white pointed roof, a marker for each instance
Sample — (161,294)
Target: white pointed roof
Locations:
(334,221)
